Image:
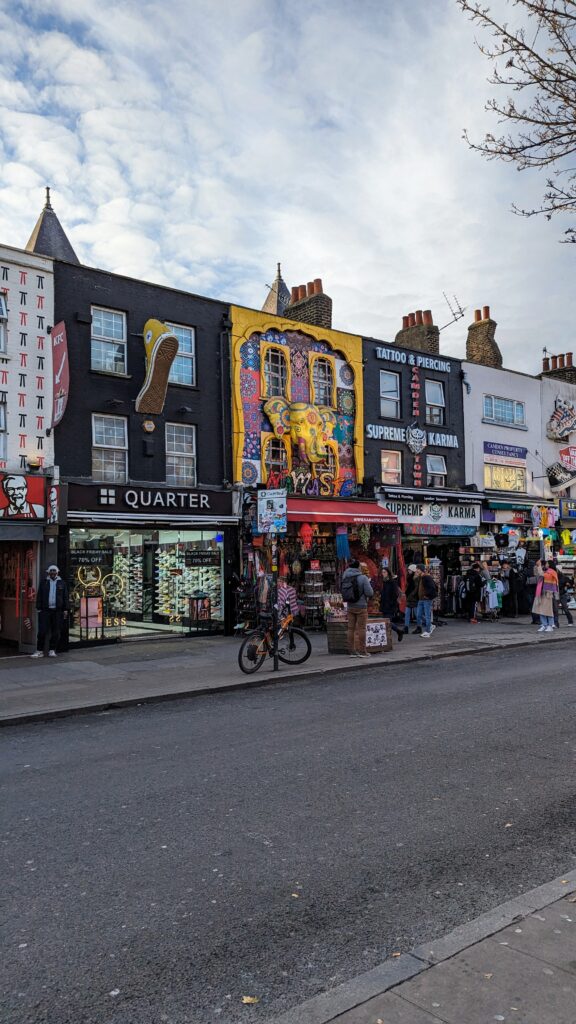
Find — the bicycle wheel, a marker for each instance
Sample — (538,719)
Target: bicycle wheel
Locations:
(253,651)
(294,647)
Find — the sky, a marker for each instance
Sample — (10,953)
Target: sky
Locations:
(195,143)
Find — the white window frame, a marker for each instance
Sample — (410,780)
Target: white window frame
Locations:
(107,446)
(105,342)
(384,396)
(432,476)
(277,447)
(275,380)
(432,406)
(186,357)
(518,411)
(397,472)
(180,456)
(323,381)
(3,322)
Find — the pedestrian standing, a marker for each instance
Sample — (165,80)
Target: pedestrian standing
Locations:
(563,596)
(356,591)
(389,601)
(474,581)
(52,607)
(510,579)
(427,591)
(411,595)
(546,591)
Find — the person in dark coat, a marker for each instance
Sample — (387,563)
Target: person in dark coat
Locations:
(510,599)
(389,601)
(411,596)
(52,607)
(474,582)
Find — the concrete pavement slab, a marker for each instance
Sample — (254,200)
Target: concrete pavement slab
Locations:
(490,982)
(548,935)
(389,1009)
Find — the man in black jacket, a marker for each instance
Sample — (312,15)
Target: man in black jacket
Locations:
(474,583)
(52,607)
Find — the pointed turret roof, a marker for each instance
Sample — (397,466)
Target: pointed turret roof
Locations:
(49,237)
(278,296)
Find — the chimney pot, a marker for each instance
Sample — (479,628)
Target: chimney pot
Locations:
(561,362)
(554,362)
(477,316)
(545,364)
(568,359)
(427,317)
(405,323)
(486,312)
(301,291)
(294,295)
(317,286)
(310,288)
(419,317)
(411,320)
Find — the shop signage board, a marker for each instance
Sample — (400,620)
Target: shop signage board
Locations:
(22,497)
(201,558)
(272,516)
(440,530)
(504,454)
(415,511)
(152,501)
(567,508)
(398,355)
(415,437)
(567,456)
(60,372)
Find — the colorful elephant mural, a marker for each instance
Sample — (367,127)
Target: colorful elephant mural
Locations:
(308,426)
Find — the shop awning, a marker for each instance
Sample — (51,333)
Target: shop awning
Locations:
(522,506)
(305,510)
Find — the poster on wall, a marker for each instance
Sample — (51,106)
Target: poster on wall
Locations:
(21,496)
(60,372)
(272,511)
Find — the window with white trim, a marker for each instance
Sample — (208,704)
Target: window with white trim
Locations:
(275,457)
(389,395)
(391,464)
(436,471)
(505,411)
(180,455)
(3,433)
(435,403)
(323,382)
(108,344)
(109,449)
(3,322)
(275,373)
(183,369)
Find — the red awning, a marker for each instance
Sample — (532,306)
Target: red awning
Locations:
(306,510)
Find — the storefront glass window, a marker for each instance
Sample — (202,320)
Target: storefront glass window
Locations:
(136,582)
(504,478)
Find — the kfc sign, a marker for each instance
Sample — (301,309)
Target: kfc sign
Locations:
(60,372)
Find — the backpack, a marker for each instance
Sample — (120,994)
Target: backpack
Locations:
(350,590)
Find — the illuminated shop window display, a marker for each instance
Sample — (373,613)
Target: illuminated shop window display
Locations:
(125,583)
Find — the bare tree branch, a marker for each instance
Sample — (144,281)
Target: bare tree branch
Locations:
(536,58)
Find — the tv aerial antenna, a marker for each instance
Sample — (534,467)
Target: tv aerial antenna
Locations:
(456,310)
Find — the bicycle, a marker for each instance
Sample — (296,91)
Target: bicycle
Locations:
(294,646)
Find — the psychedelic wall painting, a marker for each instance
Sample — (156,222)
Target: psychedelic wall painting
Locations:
(298,406)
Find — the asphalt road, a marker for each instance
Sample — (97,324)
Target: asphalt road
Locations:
(160,863)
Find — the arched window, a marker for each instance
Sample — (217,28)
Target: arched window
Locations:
(275,373)
(323,381)
(275,457)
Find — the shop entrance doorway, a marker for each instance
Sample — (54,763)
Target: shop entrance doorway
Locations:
(18,582)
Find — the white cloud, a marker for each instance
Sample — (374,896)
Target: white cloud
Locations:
(195,142)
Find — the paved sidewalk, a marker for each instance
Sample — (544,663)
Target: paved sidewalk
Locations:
(515,964)
(129,673)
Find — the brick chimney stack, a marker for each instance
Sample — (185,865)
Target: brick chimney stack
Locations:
(418,331)
(481,345)
(309,305)
(560,367)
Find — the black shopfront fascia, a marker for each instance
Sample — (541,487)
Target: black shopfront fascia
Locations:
(143,507)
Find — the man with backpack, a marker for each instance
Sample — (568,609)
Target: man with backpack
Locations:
(427,591)
(356,591)
(474,582)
